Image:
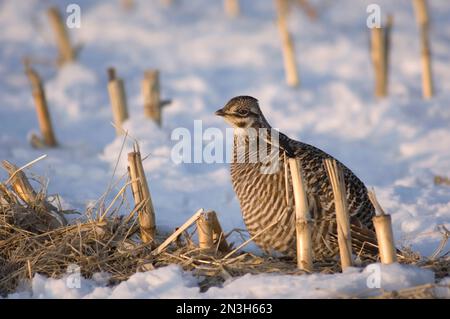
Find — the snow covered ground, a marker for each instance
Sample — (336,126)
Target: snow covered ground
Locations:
(396,145)
(172,282)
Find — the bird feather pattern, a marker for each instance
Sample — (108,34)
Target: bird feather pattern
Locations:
(268,197)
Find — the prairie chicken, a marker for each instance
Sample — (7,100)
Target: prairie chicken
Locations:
(267,197)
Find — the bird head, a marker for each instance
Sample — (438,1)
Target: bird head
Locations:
(243,112)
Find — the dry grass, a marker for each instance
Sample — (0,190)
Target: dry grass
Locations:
(32,241)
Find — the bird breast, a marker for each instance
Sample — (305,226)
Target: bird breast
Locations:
(263,198)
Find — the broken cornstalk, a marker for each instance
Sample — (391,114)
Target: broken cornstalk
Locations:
(177,233)
(43,115)
(423,21)
(118,100)
(302,216)
(336,177)
(210,233)
(383,228)
(49,214)
(231,8)
(141,194)
(66,51)
(151,93)
(290,64)
(205,232)
(20,183)
(380,39)
(218,235)
(127,4)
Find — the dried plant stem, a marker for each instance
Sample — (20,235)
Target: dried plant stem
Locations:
(121,191)
(23,167)
(383,228)
(178,232)
(253,237)
(385,238)
(23,189)
(282,8)
(43,115)
(218,234)
(290,64)
(422,18)
(441,180)
(231,8)
(152,96)
(210,233)
(127,4)
(380,54)
(205,231)
(167,3)
(336,177)
(302,216)
(117,97)
(20,183)
(30,272)
(308,8)
(66,52)
(141,193)
(445,236)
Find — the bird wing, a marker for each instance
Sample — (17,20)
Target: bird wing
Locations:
(364,239)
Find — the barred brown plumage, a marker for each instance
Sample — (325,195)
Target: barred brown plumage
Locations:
(267,198)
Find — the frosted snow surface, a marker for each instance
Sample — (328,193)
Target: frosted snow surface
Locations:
(396,145)
(172,282)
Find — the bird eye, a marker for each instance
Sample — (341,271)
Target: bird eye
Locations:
(243,112)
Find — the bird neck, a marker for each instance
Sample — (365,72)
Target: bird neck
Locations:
(253,129)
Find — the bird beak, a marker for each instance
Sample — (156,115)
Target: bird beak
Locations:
(220,112)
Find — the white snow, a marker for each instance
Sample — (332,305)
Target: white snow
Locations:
(172,282)
(396,145)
